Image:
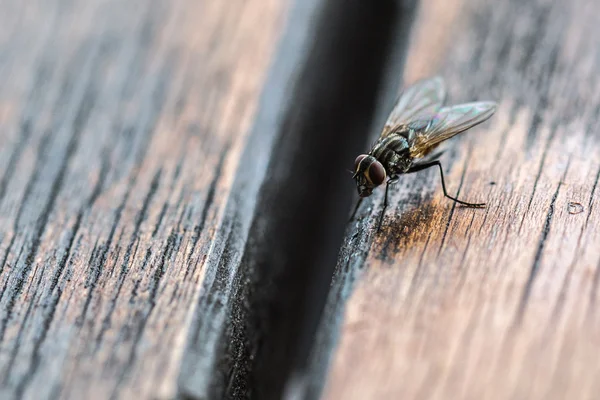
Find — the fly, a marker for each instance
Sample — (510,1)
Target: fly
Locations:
(416,126)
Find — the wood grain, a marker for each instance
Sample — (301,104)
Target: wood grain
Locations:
(121,126)
(454,303)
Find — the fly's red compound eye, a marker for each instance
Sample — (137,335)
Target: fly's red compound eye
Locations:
(376,173)
(358,160)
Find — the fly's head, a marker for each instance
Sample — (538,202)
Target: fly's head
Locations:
(368,174)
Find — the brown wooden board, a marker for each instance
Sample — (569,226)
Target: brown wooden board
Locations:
(448,302)
(121,127)
(164,233)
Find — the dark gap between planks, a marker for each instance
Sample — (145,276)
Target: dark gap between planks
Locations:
(304,201)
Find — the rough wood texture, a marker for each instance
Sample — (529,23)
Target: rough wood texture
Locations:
(129,187)
(121,125)
(501,303)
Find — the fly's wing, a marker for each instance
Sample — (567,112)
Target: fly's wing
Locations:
(425,97)
(449,121)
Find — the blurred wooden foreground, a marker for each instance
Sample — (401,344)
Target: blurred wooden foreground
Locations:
(122,125)
(122,130)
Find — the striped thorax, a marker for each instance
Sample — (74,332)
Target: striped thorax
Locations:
(393,152)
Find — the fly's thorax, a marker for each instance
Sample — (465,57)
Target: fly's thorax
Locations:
(395,142)
(404,163)
(393,152)
(397,163)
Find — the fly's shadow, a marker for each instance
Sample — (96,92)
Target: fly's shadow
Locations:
(407,229)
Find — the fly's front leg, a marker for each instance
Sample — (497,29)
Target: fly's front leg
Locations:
(391,181)
(358,203)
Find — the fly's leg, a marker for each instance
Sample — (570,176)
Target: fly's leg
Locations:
(420,167)
(358,203)
(385,201)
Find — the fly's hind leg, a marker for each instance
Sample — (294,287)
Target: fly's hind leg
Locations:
(420,167)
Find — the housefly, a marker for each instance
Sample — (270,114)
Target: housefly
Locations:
(415,128)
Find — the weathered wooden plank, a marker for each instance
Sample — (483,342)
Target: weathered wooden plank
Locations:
(121,129)
(449,302)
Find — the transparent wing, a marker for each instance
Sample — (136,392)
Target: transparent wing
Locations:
(448,122)
(424,97)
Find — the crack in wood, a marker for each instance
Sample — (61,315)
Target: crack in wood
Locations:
(210,197)
(538,175)
(535,266)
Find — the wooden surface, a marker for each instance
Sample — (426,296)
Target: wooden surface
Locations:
(501,303)
(121,126)
(139,176)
